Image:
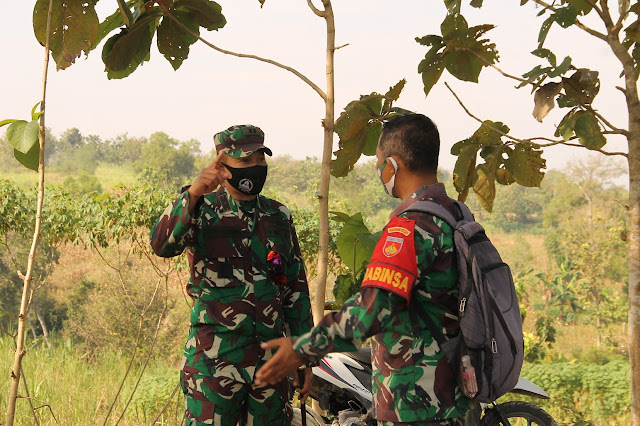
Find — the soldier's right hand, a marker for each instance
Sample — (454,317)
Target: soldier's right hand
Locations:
(210,178)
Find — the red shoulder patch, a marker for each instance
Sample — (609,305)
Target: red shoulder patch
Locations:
(393,265)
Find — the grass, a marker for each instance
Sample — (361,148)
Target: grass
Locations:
(65,384)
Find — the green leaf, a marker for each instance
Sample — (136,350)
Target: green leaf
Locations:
(566,16)
(582,87)
(545,54)
(353,128)
(431,68)
(485,185)
(525,163)
(74,28)
(23,135)
(124,52)
(373,136)
(7,121)
(566,126)
(453,6)
(205,13)
(393,94)
(111,23)
(562,68)
(476,3)
(633,31)
(464,169)
(588,130)
(36,115)
(453,27)
(31,159)
(582,6)
(173,40)
(431,40)
(352,247)
(544,31)
(469,53)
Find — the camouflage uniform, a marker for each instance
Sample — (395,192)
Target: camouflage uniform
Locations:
(414,260)
(249,286)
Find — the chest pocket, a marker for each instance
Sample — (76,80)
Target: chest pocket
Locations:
(278,233)
(227,257)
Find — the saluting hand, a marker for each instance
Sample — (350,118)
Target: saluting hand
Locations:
(209,178)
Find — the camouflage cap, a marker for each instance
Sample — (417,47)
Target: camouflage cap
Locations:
(240,141)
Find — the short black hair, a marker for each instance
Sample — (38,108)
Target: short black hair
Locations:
(415,139)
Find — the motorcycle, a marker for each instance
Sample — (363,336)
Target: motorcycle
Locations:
(342,387)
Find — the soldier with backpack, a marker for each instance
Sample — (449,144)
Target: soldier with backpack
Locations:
(413,268)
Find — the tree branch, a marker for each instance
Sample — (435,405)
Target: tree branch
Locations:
(552,142)
(498,69)
(320,13)
(242,55)
(578,24)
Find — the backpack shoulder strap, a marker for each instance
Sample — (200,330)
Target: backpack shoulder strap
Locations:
(425,206)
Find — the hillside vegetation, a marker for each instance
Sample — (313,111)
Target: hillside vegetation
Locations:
(104,305)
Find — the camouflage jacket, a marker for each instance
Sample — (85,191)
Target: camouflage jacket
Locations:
(412,380)
(240,297)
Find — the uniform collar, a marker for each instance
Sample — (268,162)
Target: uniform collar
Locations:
(427,192)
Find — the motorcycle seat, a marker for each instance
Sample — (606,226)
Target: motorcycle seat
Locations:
(363,355)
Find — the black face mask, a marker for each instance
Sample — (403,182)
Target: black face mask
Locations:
(248,180)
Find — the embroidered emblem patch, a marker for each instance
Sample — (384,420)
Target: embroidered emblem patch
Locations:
(392,246)
(399,229)
(393,264)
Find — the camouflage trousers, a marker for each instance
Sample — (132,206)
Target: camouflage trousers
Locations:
(458,421)
(221,401)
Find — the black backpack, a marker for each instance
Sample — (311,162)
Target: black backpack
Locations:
(489,313)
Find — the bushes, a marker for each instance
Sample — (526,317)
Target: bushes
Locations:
(587,393)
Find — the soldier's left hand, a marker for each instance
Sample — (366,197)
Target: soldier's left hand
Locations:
(283,362)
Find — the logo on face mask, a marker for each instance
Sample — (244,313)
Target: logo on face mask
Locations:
(245,185)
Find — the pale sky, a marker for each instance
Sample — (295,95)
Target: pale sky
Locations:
(212,91)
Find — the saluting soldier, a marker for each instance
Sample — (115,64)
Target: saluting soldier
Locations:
(410,286)
(247,282)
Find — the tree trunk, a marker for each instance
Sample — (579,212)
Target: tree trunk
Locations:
(323,252)
(24,305)
(633,241)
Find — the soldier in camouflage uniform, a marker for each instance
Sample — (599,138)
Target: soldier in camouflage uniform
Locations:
(412,276)
(247,282)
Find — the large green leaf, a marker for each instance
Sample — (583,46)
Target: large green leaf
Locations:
(353,128)
(453,27)
(633,31)
(525,164)
(355,243)
(23,135)
(470,53)
(205,13)
(74,28)
(124,52)
(31,159)
(588,130)
(173,40)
